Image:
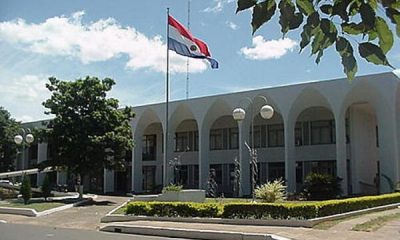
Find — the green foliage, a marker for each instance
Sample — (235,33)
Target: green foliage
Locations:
(46,187)
(334,22)
(8,129)
(172,188)
(321,187)
(89,132)
(247,210)
(272,191)
(306,210)
(173,209)
(26,190)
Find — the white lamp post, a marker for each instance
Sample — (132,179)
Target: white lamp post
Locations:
(239,114)
(26,137)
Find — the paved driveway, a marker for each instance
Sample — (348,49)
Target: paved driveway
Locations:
(84,217)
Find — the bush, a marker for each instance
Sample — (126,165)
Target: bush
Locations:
(46,187)
(248,210)
(7,193)
(321,187)
(26,190)
(271,191)
(173,188)
(173,209)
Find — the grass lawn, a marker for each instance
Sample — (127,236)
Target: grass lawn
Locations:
(120,210)
(376,223)
(38,205)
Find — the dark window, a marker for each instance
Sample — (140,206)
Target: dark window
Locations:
(257,136)
(149,178)
(182,177)
(196,141)
(149,147)
(276,136)
(276,171)
(218,173)
(33,152)
(322,132)
(216,139)
(298,134)
(181,142)
(233,138)
(299,172)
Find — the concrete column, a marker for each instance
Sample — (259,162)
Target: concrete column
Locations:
(290,163)
(42,156)
(341,159)
(244,159)
(137,174)
(204,149)
(388,157)
(108,181)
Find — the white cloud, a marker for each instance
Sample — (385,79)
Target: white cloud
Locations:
(23,96)
(97,41)
(263,49)
(218,6)
(231,25)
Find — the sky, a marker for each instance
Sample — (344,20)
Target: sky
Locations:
(125,40)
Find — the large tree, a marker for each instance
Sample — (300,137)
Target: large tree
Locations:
(345,23)
(8,149)
(89,132)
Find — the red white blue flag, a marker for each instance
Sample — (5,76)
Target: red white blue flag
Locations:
(182,42)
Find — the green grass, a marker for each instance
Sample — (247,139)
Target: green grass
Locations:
(39,206)
(376,223)
(120,210)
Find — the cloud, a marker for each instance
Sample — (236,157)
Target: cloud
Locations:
(101,40)
(23,96)
(263,49)
(218,6)
(231,25)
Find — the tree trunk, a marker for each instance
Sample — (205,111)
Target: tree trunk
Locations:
(79,183)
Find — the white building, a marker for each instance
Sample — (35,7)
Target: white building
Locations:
(348,129)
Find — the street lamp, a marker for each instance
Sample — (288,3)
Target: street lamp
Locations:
(239,114)
(26,137)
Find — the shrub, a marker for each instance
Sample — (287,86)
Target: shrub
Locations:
(173,209)
(46,187)
(26,190)
(173,188)
(271,191)
(7,193)
(321,187)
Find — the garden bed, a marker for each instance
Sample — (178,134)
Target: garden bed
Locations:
(235,212)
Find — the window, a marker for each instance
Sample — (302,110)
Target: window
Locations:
(276,171)
(276,136)
(323,167)
(322,132)
(298,134)
(218,173)
(149,177)
(149,148)
(216,139)
(299,172)
(182,177)
(33,152)
(187,141)
(181,141)
(233,138)
(257,136)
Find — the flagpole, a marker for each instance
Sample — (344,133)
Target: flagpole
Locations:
(165,170)
(187,59)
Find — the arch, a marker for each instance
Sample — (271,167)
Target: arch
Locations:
(309,97)
(181,113)
(147,117)
(217,109)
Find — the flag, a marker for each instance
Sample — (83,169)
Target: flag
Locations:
(183,43)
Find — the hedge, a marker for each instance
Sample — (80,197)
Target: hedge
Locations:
(173,209)
(247,210)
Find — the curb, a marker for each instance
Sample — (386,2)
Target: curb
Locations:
(188,233)
(2,221)
(118,207)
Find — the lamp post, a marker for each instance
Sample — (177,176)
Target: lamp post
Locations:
(239,114)
(27,138)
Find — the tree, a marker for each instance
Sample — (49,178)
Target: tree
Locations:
(89,132)
(46,187)
(8,128)
(26,190)
(325,23)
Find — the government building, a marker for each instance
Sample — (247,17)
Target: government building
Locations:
(346,129)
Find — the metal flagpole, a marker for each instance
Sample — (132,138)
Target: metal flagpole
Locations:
(165,170)
(187,60)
